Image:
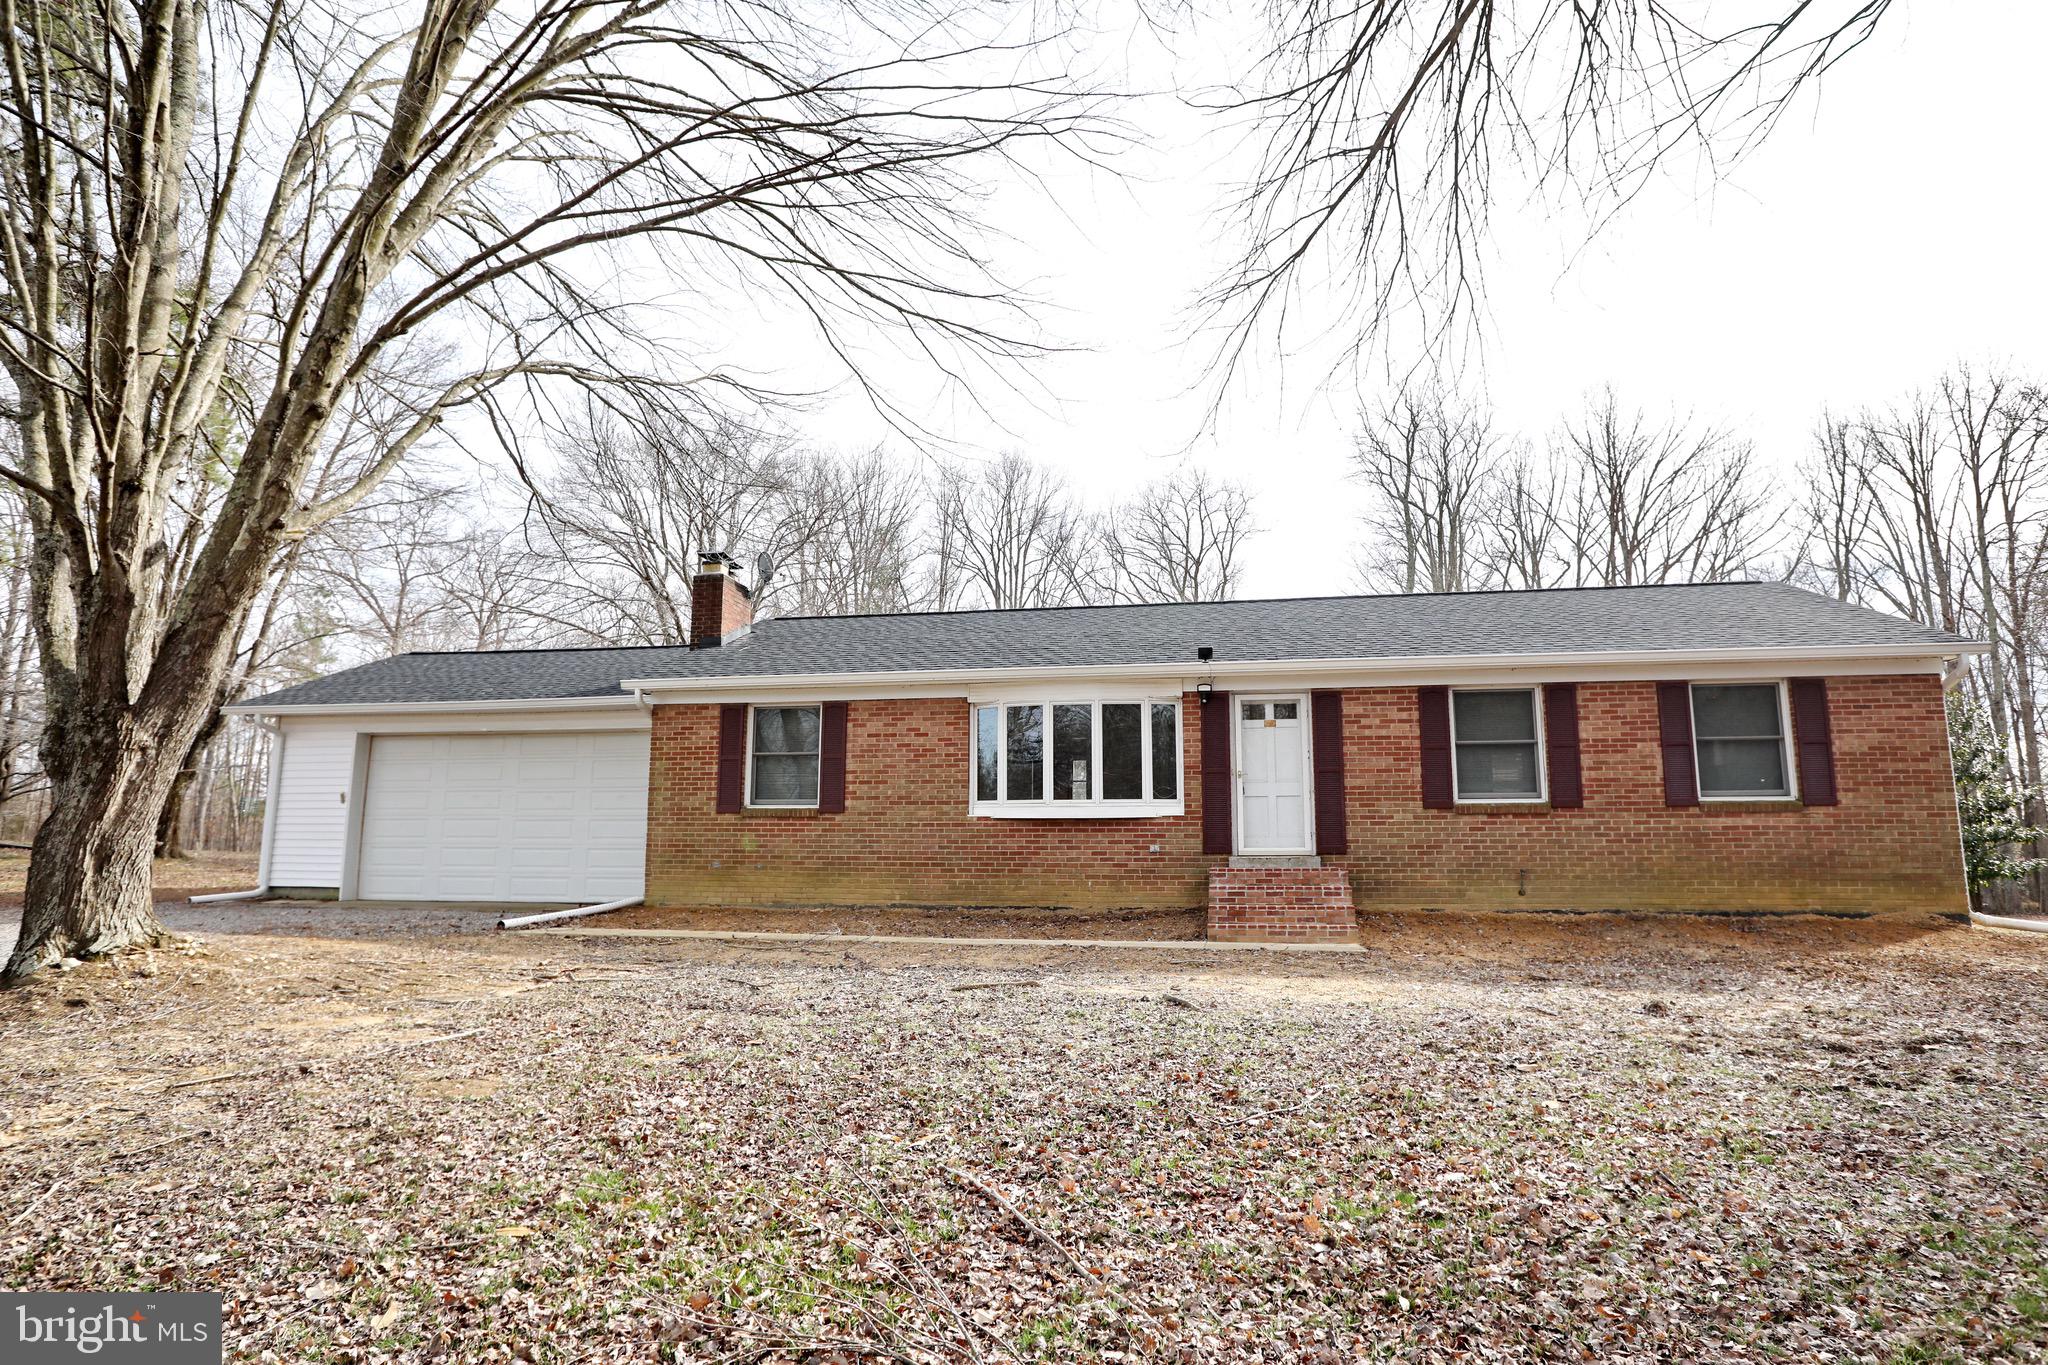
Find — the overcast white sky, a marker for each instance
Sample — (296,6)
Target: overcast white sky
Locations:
(1891,227)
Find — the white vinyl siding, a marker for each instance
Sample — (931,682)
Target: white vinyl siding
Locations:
(309,830)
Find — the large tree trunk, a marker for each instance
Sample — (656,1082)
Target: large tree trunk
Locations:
(89,884)
(170,827)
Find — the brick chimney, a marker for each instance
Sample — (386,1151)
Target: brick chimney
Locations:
(720,609)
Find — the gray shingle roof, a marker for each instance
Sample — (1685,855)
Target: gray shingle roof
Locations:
(1732,616)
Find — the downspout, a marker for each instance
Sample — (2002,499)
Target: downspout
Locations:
(556,916)
(2035,926)
(271,784)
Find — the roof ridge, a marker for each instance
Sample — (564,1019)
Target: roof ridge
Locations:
(519,649)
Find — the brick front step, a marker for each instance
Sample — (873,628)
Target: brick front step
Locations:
(1281,905)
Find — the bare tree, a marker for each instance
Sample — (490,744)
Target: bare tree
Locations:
(1937,509)
(1424,459)
(867,523)
(636,499)
(220,226)
(1384,126)
(383,567)
(499,593)
(1660,501)
(1179,539)
(1522,542)
(1909,484)
(1014,535)
(1834,512)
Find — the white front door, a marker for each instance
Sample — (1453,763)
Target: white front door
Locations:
(1272,775)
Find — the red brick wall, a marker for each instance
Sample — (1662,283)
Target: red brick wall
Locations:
(719,607)
(1281,905)
(1890,845)
(906,838)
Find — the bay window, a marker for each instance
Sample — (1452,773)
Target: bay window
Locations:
(1071,757)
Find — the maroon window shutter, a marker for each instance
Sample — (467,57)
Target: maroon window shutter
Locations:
(1674,736)
(832,758)
(1326,713)
(1216,774)
(1561,744)
(1433,709)
(1814,735)
(732,758)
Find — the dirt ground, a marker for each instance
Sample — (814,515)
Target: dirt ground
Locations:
(1483,1138)
(933,921)
(176,878)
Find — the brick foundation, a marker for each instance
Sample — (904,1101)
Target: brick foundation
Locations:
(906,837)
(1281,905)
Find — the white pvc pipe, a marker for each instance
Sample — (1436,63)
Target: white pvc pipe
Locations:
(2036,926)
(256,894)
(554,916)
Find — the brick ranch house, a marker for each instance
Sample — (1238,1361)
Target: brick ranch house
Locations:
(1718,747)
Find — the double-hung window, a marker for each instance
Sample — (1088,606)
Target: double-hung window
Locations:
(1738,735)
(782,756)
(1070,757)
(1496,745)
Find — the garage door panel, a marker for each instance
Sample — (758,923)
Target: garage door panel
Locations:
(410,748)
(404,801)
(505,817)
(458,888)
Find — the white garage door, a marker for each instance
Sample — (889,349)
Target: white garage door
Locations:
(505,818)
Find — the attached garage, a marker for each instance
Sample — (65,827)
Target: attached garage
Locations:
(504,817)
(473,802)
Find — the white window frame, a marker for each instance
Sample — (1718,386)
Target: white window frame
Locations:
(819,707)
(1542,795)
(1786,756)
(1095,806)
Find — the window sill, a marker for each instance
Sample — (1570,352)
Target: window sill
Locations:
(781,812)
(1739,805)
(1503,807)
(1075,810)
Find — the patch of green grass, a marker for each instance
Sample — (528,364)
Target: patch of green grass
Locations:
(1050,1338)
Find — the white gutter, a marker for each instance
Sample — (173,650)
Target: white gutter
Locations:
(554,916)
(2035,926)
(1222,669)
(355,708)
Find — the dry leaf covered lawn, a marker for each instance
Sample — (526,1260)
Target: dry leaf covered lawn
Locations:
(1483,1139)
